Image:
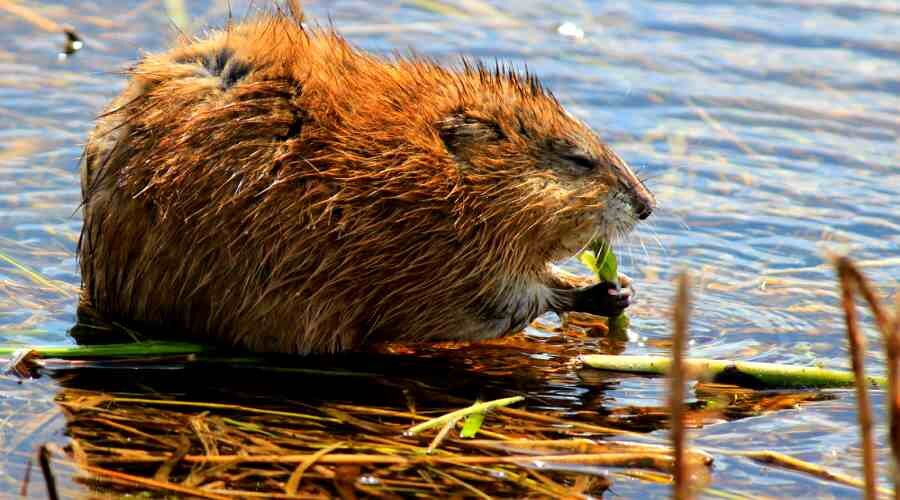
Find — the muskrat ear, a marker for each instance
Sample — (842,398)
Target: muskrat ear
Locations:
(462,130)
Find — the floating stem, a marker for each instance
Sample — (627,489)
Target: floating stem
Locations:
(132,349)
(746,373)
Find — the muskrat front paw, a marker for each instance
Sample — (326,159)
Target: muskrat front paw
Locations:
(604,299)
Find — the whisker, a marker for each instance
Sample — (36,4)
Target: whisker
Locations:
(626,244)
(655,235)
(655,175)
(679,219)
(643,247)
(626,257)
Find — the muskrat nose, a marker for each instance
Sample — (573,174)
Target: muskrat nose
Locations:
(642,199)
(643,211)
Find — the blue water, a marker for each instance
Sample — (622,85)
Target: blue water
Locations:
(769,129)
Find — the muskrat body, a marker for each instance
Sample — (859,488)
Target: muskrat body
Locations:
(272,187)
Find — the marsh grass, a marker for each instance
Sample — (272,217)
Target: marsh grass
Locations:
(128,444)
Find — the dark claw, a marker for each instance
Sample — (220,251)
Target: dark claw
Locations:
(603,299)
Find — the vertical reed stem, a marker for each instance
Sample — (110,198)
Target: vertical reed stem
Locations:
(865,289)
(681,473)
(847,276)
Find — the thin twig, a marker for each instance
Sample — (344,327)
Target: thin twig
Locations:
(441,435)
(23,491)
(795,464)
(222,406)
(131,480)
(890,333)
(575,424)
(660,461)
(458,414)
(857,358)
(293,483)
(462,483)
(681,474)
(49,479)
(867,291)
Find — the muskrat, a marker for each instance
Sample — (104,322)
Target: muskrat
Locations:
(270,186)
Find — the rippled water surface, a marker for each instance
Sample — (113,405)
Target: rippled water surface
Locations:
(769,130)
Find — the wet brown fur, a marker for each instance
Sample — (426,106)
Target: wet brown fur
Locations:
(326,197)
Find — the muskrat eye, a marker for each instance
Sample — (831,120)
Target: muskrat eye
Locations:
(584,163)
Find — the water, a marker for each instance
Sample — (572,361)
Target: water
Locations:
(769,130)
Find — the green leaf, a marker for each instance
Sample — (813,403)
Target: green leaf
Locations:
(588,258)
(472,424)
(608,267)
(601,260)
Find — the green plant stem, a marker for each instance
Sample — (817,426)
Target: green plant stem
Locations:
(601,260)
(769,375)
(133,349)
(458,414)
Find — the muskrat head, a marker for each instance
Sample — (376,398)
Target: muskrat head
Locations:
(556,183)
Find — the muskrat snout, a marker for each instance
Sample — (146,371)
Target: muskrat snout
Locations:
(642,200)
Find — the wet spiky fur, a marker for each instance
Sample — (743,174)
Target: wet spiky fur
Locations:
(273,187)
